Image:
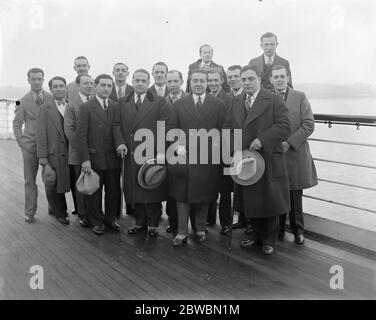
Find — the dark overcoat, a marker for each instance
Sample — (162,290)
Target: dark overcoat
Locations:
(94,137)
(52,143)
(200,184)
(130,122)
(268,121)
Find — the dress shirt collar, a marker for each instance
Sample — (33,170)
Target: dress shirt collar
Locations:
(101,101)
(195,97)
(83,97)
(142,97)
(236,93)
(266,58)
(178,96)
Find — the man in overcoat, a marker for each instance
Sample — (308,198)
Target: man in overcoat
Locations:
(300,166)
(137,115)
(263,118)
(52,147)
(199,185)
(97,152)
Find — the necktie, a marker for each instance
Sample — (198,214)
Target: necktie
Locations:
(87,98)
(270,62)
(199,104)
(39,100)
(105,107)
(248,102)
(120,92)
(283,94)
(174,98)
(160,92)
(138,102)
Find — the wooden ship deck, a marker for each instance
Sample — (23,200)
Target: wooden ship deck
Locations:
(80,265)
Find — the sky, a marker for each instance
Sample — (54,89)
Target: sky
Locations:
(329,41)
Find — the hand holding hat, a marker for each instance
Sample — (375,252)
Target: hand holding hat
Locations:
(256,144)
(122,150)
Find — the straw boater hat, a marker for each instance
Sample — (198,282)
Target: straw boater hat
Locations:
(247,169)
(151,174)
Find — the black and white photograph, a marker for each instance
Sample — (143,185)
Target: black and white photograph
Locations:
(186,157)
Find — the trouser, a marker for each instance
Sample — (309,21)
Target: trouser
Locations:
(265,230)
(295,214)
(118,203)
(200,214)
(108,179)
(172,213)
(30,165)
(56,202)
(147,214)
(212,213)
(225,217)
(129,209)
(73,178)
(80,197)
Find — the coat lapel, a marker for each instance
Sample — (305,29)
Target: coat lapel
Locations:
(258,107)
(56,117)
(98,110)
(206,107)
(291,97)
(146,107)
(190,107)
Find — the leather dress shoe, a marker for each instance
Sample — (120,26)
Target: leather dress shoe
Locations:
(63,220)
(178,242)
(200,238)
(248,243)
(299,239)
(29,219)
(225,230)
(267,250)
(282,236)
(83,223)
(98,230)
(153,233)
(113,226)
(248,231)
(170,229)
(135,230)
(239,225)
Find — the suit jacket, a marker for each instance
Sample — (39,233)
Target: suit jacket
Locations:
(128,126)
(201,182)
(26,114)
(70,121)
(52,143)
(94,136)
(197,65)
(168,98)
(114,95)
(300,166)
(72,90)
(268,121)
(259,62)
(153,90)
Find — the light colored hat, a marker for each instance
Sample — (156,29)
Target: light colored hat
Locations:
(88,183)
(247,169)
(151,174)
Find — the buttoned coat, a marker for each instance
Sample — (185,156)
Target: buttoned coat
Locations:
(52,143)
(94,135)
(130,123)
(26,114)
(300,166)
(200,184)
(268,121)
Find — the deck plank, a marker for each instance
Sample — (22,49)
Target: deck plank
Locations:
(81,265)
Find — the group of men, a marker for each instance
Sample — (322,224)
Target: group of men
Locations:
(91,125)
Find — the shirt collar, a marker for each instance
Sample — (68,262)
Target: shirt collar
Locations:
(83,97)
(101,101)
(142,97)
(204,64)
(35,95)
(176,95)
(254,96)
(195,97)
(266,58)
(236,93)
(60,103)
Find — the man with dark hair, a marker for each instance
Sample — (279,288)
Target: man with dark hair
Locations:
(268,59)
(52,147)
(263,118)
(136,113)
(233,78)
(199,185)
(204,63)
(159,73)
(97,152)
(300,166)
(81,66)
(120,88)
(25,115)
(86,87)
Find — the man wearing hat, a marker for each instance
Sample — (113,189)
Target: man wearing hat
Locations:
(300,165)
(195,184)
(144,185)
(52,148)
(263,118)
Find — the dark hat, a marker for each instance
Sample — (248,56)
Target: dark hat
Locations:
(247,169)
(151,174)
(48,176)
